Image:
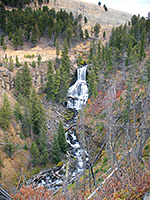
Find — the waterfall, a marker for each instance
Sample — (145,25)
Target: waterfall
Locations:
(77,97)
(78,93)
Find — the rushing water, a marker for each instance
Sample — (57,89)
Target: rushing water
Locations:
(78,93)
(77,97)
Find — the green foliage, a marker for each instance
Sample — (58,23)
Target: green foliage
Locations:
(97,170)
(29,56)
(39,60)
(86,34)
(17,111)
(147,69)
(50,82)
(26,147)
(23,81)
(5,113)
(1,161)
(17,39)
(69,115)
(92,83)
(33,64)
(61,138)
(31,24)
(56,155)
(9,147)
(37,113)
(35,153)
(97,29)
(85,20)
(22,136)
(17,62)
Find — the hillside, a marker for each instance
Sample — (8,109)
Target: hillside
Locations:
(94,14)
(110,135)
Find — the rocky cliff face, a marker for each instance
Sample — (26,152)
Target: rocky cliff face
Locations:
(6,80)
(7,77)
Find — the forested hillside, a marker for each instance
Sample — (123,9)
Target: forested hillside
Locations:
(30,25)
(113,128)
(114,125)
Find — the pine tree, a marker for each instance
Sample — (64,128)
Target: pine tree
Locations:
(56,154)
(92,83)
(26,81)
(17,39)
(65,61)
(86,34)
(56,84)
(143,43)
(69,33)
(97,29)
(17,62)
(50,82)
(39,60)
(26,120)
(18,82)
(64,85)
(34,34)
(57,48)
(147,69)
(61,138)
(5,113)
(38,115)
(17,111)
(35,153)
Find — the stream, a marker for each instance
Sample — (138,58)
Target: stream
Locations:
(53,179)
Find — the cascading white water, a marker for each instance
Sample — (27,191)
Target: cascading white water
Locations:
(77,97)
(78,93)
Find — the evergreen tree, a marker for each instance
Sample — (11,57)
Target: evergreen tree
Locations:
(2,16)
(99,51)
(4,47)
(2,40)
(50,82)
(37,114)
(26,120)
(56,154)
(80,31)
(92,83)
(26,81)
(17,39)
(147,70)
(143,43)
(34,34)
(85,20)
(39,60)
(86,34)
(35,153)
(61,138)
(64,85)
(56,84)
(104,34)
(17,111)
(5,113)
(57,48)
(97,29)
(17,62)
(18,82)
(65,61)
